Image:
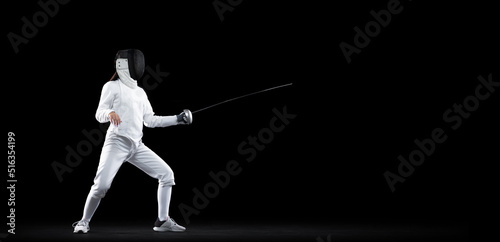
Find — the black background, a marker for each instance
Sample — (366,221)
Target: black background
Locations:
(353,120)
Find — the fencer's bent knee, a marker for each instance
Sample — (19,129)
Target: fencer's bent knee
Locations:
(167,178)
(99,191)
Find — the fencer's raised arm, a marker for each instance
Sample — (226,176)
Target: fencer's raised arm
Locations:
(153,121)
(108,94)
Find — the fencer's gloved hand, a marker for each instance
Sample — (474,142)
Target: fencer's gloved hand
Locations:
(181,118)
(185,117)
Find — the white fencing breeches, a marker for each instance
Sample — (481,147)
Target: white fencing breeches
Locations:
(117,150)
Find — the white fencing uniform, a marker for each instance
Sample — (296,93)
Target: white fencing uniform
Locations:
(123,142)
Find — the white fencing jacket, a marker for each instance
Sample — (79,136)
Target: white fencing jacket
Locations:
(131,103)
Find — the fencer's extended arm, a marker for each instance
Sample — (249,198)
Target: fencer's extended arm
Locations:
(153,121)
(105,107)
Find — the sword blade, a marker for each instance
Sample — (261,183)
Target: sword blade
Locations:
(242,96)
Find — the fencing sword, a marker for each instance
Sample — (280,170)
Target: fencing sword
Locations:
(242,96)
(189,114)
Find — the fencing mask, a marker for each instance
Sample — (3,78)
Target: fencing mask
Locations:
(130,62)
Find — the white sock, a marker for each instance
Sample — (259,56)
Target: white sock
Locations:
(90,206)
(164,195)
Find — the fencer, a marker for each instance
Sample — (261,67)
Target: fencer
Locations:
(127,108)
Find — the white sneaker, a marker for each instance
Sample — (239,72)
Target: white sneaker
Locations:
(167,225)
(81,227)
